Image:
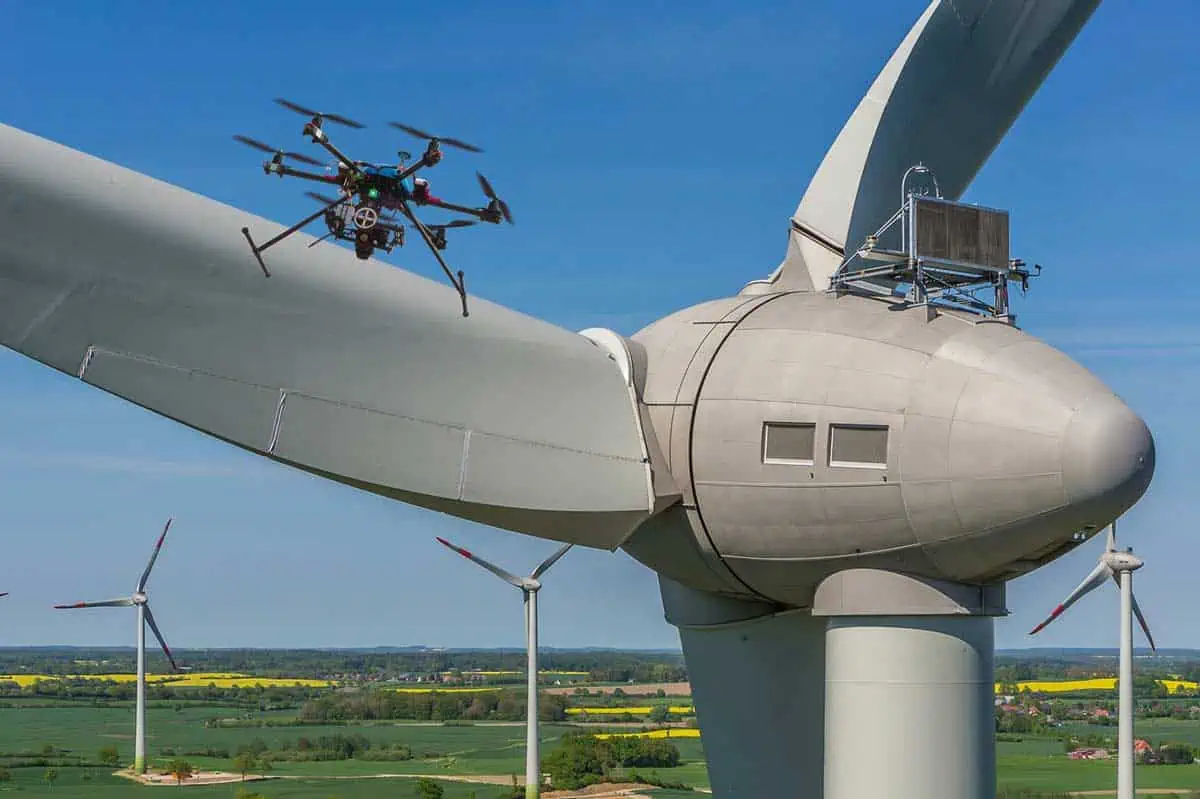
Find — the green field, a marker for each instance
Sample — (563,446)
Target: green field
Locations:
(1036,763)
(87,784)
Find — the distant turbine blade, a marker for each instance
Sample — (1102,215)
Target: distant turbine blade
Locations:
(107,603)
(158,635)
(496,570)
(1099,574)
(1137,611)
(153,557)
(550,561)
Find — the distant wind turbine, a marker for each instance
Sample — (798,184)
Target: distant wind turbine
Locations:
(529,587)
(140,601)
(1120,566)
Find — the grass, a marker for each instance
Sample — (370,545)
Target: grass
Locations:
(1157,730)
(94,784)
(1061,774)
(1032,763)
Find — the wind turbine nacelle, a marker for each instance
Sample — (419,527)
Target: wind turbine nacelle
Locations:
(810,433)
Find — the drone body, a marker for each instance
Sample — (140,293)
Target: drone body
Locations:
(369,190)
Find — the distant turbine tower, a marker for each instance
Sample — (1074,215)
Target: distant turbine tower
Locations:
(1114,563)
(529,587)
(139,600)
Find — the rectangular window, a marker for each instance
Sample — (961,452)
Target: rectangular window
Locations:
(789,442)
(858,446)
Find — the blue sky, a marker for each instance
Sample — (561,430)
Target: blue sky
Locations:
(651,158)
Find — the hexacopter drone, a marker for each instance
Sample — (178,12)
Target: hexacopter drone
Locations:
(371,194)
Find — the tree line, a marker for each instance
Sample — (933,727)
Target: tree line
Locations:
(383,705)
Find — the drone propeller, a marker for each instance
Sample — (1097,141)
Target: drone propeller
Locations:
(299,109)
(491,195)
(257,145)
(420,134)
(321,198)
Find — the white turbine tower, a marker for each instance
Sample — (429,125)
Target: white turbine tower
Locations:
(1120,566)
(529,587)
(140,601)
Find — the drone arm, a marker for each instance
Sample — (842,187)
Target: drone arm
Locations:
(409,171)
(462,209)
(301,173)
(338,154)
(459,282)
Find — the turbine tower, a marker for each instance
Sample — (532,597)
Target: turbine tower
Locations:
(529,587)
(140,601)
(1119,566)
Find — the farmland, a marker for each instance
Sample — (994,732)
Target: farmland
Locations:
(466,722)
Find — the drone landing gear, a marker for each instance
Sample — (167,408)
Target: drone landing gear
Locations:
(258,250)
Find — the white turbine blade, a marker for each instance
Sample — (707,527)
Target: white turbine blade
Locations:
(946,97)
(496,570)
(158,635)
(1110,540)
(332,364)
(141,586)
(105,603)
(1137,612)
(550,561)
(1099,574)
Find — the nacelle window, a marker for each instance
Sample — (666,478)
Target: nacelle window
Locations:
(789,442)
(858,446)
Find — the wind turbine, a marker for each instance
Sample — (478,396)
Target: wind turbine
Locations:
(140,601)
(1120,566)
(529,587)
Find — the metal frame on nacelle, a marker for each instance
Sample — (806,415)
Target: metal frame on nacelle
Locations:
(875,269)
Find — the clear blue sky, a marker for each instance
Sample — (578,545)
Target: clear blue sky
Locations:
(652,153)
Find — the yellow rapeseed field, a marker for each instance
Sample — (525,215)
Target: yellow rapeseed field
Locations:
(670,732)
(184,680)
(1094,684)
(633,711)
(1175,685)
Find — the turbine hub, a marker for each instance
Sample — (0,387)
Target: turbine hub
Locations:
(1123,561)
(139,598)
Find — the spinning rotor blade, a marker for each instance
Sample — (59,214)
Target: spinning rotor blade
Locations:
(454,223)
(496,570)
(550,561)
(159,636)
(107,603)
(1099,574)
(299,109)
(420,134)
(1137,611)
(257,145)
(5,593)
(491,195)
(321,198)
(141,586)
